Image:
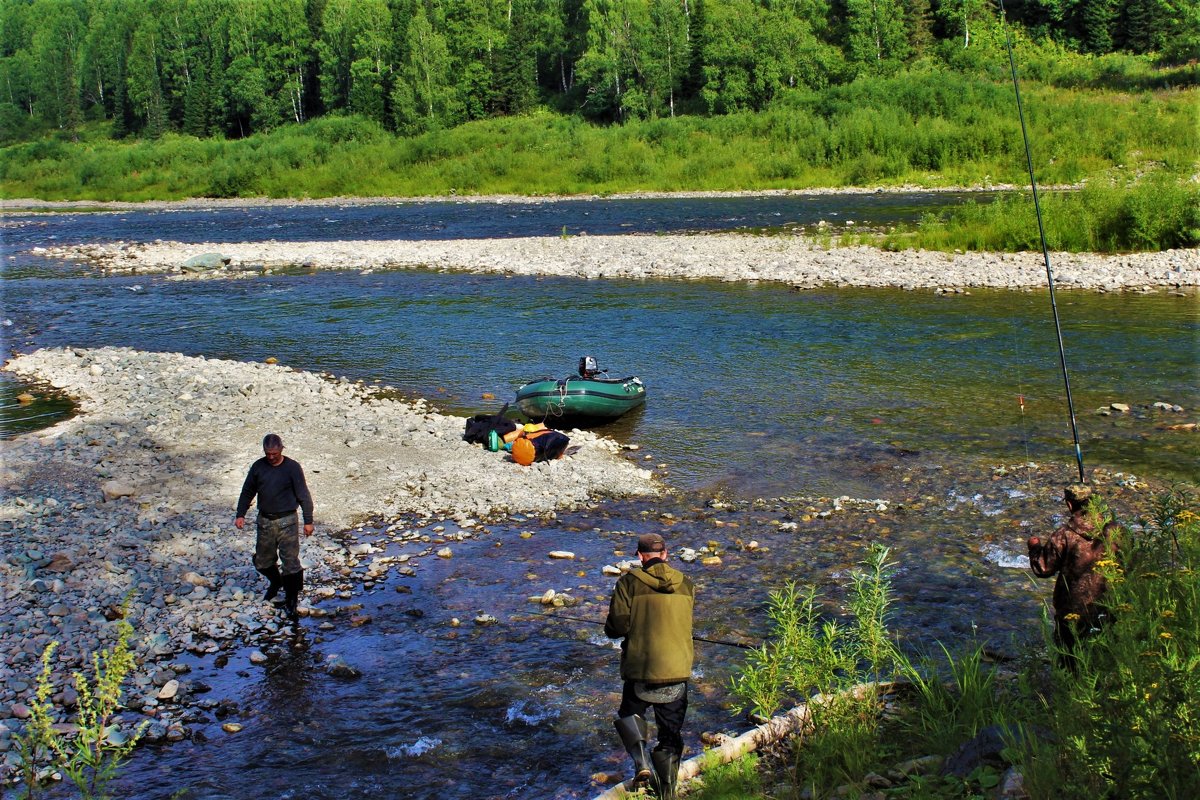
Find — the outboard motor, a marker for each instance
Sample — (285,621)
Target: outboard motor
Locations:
(588,367)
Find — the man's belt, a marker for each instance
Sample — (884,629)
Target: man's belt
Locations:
(277,514)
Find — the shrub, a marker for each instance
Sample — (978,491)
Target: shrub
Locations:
(92,755)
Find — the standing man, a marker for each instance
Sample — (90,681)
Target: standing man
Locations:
(651,608)
(279,484)
(1071,552)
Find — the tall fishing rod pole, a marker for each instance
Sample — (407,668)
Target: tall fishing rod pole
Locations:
(696,638)
(1062,353)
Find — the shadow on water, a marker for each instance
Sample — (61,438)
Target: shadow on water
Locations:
(28,406)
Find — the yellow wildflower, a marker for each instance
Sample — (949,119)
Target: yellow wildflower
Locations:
(1071,617)
(1164,635)
(1168,613)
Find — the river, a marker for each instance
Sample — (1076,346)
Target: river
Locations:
(935,404)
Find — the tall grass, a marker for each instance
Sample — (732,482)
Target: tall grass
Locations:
(1157,214)
(807,655)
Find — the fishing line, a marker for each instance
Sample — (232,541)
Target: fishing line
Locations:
(695,638)
(1062,354)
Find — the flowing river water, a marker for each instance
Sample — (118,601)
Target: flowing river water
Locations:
(764,405)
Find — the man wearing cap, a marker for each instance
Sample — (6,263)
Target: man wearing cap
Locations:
(279,484)
(651,609)
(1071,552)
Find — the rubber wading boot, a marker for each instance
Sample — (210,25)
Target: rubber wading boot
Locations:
(632,730)
(272,574)
(666,770)
(292,584)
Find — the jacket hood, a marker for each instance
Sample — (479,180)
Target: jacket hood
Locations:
(660,577)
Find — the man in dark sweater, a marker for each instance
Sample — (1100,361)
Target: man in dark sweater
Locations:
(651,609)
(279,484)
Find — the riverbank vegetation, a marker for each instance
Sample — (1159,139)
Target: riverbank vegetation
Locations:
(1121,724)
(1156,214)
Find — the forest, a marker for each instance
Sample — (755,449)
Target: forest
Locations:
(230,69)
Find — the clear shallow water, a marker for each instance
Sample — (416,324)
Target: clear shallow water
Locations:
(761,389)
(754,391)
(474,220)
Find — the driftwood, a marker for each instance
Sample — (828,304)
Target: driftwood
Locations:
(798,720)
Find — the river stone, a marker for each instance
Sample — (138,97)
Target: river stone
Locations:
(169,690)
(338,668)
(564,554)
(195,579)
(115,488)
(205,262)
(59,562)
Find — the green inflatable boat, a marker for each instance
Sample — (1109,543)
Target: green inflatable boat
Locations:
(589,396)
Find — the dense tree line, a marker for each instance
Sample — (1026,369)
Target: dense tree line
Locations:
(234,67)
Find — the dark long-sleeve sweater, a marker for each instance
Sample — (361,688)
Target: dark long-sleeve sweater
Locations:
(279,489)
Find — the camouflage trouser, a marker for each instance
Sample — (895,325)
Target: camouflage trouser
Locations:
(278,536)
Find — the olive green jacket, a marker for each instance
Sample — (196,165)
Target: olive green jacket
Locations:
(652,608)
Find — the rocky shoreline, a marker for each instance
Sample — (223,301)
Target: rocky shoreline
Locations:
(797,261)
(134,498)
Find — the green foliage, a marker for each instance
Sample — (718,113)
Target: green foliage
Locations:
(927,126)
(949,712)
(733,781)
(244,68)
(92,755)
(1157,214)
(805,655)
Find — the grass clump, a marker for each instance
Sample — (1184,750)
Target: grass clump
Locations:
(809,655)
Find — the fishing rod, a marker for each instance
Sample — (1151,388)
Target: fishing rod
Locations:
(696,638)
(1062,353)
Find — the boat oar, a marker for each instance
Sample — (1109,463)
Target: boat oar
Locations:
(696,638)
